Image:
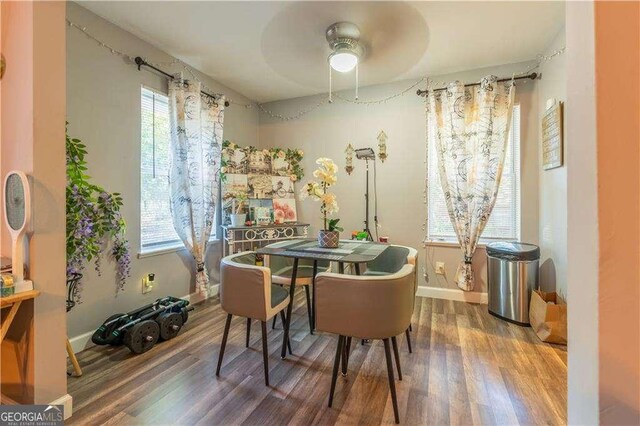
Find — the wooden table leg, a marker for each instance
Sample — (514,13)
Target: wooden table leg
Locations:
(292,289)
(74,360)
(9,319)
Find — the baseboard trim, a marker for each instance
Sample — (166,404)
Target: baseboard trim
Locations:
(67,403)
(83,341)
(453,294)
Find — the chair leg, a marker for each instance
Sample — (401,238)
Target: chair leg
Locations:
(265,353)
(282,317)
(392,385)
(308,292)
(248,332)
(224,343)
(406,333)
(273,324)
(410,327)
(345,356)
(394,343)
(336,365)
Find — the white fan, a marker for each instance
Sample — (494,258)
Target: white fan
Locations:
(17,213)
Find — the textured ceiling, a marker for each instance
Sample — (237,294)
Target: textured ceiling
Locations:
(277,50)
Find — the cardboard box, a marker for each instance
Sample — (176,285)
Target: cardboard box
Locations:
(548,317)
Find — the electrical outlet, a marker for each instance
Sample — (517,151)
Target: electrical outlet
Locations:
(148,283)
(440,268)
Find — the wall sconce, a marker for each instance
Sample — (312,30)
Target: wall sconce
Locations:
(382,145)
(349,167)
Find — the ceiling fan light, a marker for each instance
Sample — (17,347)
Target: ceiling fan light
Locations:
(343,61)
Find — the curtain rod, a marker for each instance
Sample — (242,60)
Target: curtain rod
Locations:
(531,76)
(141,62)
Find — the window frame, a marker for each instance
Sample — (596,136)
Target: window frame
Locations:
(452,240)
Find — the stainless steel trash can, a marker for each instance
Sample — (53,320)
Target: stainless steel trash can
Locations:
(512,273)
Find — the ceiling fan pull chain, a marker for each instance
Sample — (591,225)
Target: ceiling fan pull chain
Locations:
(357,80)
(330,100)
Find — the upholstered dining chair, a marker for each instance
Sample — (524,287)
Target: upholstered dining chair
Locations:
(365,307)
(391,261)
(246,291)
(281,272)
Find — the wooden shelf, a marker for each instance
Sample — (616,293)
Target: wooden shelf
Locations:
(18,297)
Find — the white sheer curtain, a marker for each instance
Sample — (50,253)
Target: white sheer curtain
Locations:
(470,127)
(194,171)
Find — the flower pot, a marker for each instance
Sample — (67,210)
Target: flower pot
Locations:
(328,239)
(238,219)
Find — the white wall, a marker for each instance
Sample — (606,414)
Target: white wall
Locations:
(401,209)
(103,110)
(582,217)
(553,183)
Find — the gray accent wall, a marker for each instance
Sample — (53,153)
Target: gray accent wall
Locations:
(401,208)
(103,110)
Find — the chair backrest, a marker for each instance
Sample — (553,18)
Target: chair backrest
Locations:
(245,289)
(277,263)
(374,307)
(394,258)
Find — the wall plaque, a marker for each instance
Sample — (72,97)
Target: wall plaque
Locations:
(552,137)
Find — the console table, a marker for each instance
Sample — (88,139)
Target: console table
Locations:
(241,238)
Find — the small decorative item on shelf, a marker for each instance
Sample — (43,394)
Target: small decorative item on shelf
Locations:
(326,173)
(349,166)
(382,145)
(238,200)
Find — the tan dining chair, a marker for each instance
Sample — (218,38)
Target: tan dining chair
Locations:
(391,261)
(365,307)
(282,271)
(246,291)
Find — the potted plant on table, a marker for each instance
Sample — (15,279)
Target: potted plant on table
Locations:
(238,201)
(326,174)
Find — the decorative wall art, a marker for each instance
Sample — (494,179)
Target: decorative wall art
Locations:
(235,183)
(382,145)
(259,186)
(261,174)
(235,160)
(259,162)
(349,159)
(284,210)
(282,187)
(552,145)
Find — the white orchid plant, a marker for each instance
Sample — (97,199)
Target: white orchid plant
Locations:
(326,173)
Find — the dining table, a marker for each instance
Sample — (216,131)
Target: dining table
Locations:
(353,252)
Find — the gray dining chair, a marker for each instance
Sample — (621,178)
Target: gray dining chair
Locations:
(246,290)
(390,262)
(365,307)
(282,270)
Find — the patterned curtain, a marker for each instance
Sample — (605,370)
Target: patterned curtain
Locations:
(194,173)
(470,126)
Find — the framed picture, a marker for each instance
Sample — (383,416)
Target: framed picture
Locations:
(282,187)
(260,162)
(236,160)
(279,165)
(260,210)
(284,210)
(259,186)
(235,183)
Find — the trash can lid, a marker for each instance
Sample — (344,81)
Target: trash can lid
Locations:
(513,250)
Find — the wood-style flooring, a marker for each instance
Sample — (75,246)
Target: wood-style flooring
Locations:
(467,367)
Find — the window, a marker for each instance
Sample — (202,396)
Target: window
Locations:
(504,223)
(156,224)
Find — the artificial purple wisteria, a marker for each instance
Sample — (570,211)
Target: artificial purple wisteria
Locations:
(93,221)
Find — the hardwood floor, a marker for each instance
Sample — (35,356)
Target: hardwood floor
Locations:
(467,367)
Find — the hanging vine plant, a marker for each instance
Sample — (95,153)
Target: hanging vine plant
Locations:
(94,221)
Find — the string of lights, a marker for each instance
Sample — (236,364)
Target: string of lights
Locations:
(324,99)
